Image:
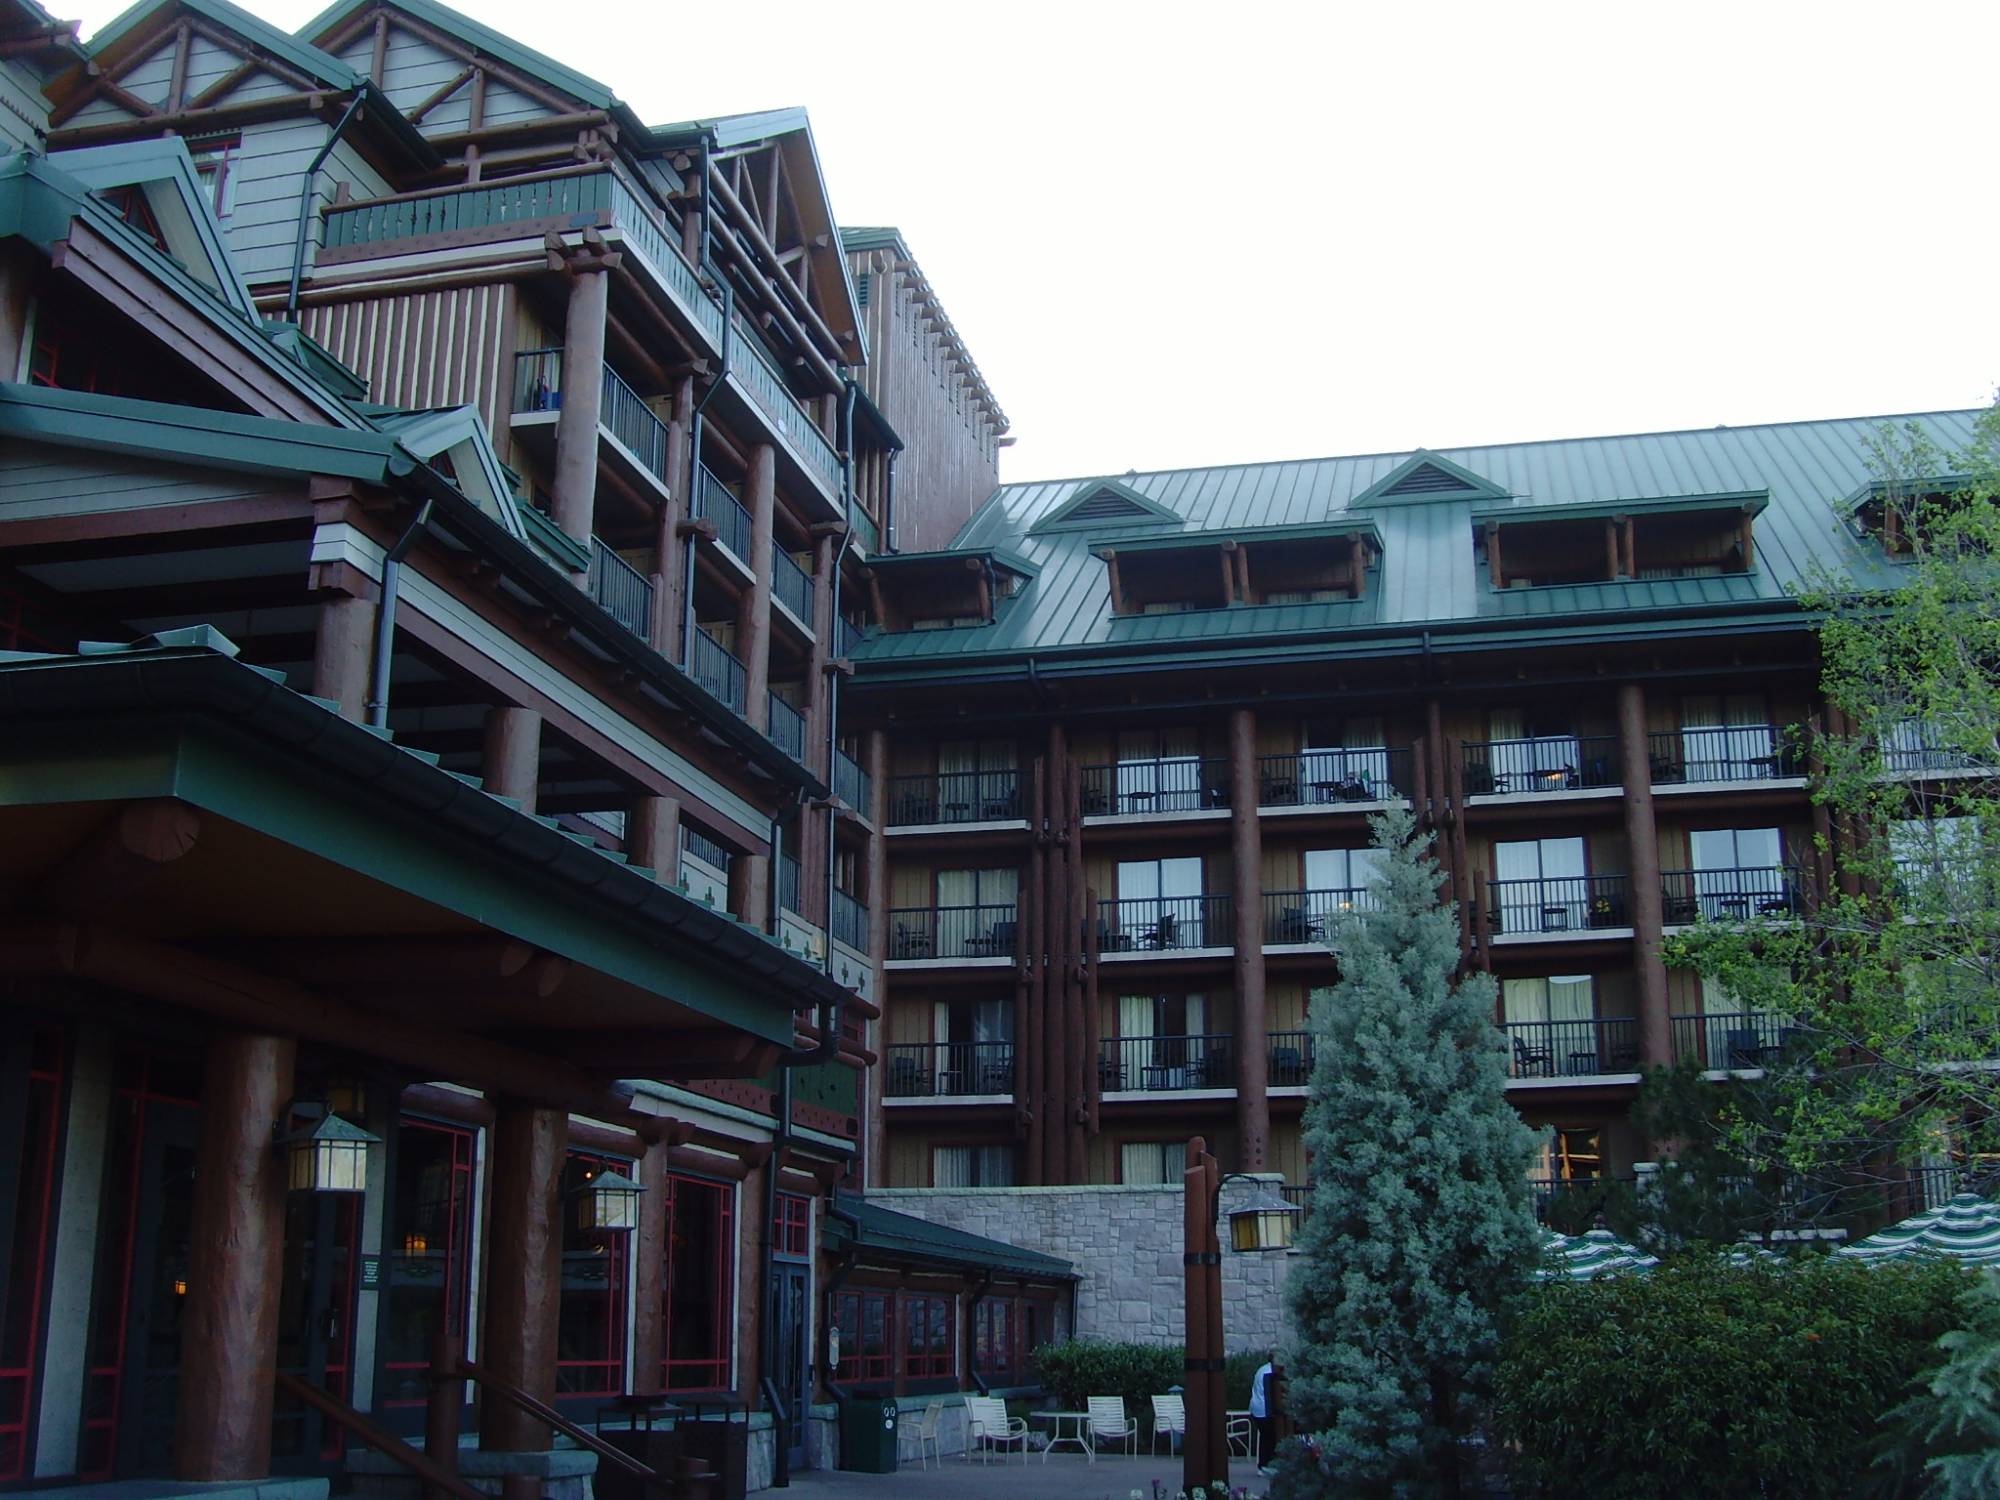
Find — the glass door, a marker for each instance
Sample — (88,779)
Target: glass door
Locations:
(316,1324)
(427,1267)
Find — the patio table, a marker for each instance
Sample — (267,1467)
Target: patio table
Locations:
(1079,1427)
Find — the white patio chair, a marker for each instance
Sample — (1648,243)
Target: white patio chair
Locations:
(989,1427)
(929,1429)
(1108,1420)
(1240,1436)
(1169,1417)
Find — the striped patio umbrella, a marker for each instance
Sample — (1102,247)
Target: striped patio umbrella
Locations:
(1579,1257)
(1967,1229)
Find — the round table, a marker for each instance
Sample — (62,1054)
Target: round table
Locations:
(1079,1427)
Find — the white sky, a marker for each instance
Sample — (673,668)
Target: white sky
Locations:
(1177,234)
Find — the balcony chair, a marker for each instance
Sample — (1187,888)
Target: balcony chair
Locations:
(1165,933)
(911,942)
(1110,1075)
(1210,1069)
(1742,1049)
(1293,926)
(1278,791)
(1108,1420)
(903,1076)
(1531,1062)
(1240,1437)
(1287,1066)
(1000,944)
(1110,940)
(1169,1417)
(988,1427)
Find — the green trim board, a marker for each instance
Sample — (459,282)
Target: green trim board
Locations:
(877,1232)
(1754,501)
(1001,557)
(1181,541)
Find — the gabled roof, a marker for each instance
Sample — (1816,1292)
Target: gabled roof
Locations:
(461,432)
(128,29)
(881,1233)
(1100,503)
(494,44)
(1430,476)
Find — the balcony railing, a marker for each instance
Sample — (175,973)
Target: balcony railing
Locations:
(954,797)
(1289,1059)
(1572,1049)
(788,728)
(1917,747)
(850,921)
(942,1070)
(1581,1194)
(1163,923)
(1331,776)
(1736,752)
(846,636)
(1559,904)
(627,417)
(752,364)
(1164,1064)
(1728,895)
(788,883)
(853,785)
(714,503)
(1309,916)
(1733,1040)
(792,586)
(866,531)
(1547,763)
(620,589)
(1176,784)
(715,669)
(952,931)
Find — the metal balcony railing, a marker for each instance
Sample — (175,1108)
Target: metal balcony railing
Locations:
(944,1070)
(1165,1064)
(866,532)
(1163,923)
(788,883)
(1174,784)
(1572,1049)
(1728,895)
(1549,1189)
(1289,1059)
(715,669)
(850,921)
(620,589)
(1309,916)
(1736,752)
(713,502)
(853,785)
(954,797)
(625,415)
(792,586)
(1558,904)
(952,931)
(788,728)
(1546,763)
(846,636)
(1332,776)
(1917,747)
(1733,1040)
(760,376)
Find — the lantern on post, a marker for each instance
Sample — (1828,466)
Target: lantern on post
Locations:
(1263,1224)
(327,1156)
(608,1203)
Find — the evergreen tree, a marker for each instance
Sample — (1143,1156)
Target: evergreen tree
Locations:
(1420,1221)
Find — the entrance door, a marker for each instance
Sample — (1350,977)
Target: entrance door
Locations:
(315,1323)
(793,1315)
(428,1267)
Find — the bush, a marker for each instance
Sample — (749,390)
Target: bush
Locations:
(1078,1369)
(1712,1379)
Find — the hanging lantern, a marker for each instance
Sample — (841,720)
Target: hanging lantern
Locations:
(608,1202)
(329,1157)
(1264,1223)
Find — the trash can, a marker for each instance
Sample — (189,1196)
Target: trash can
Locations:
(723,1447)
(868,1435)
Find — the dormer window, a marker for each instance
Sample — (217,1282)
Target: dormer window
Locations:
(1546,546)
(129,203)
(1906,514)
(942,590)
(1211,570)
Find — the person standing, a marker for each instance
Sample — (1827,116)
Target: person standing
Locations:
(1260,1414)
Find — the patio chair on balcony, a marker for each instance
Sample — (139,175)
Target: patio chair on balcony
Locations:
(1000,943)
(911,942)
(1531,1062)
(1111,940)
(1294,925)
(1287,1066)
(1210,1069)
(1742,1049)
(1278,791)
(1166,933)
(903,1076)
(1110,1074)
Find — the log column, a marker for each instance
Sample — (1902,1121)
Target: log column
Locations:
(573,493)
(523,1269)
(1246,847)
(664,629)
(513,757)
(750,888)
(875,757)
(649,1260)
(236,1262)
(653,836)
(753,614)
(343,651)
(1642,835)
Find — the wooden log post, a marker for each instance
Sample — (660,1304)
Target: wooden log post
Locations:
(523,1292)
(1082,1056)
(444,1402)
(1033,1041)
(653,836)
(513,756)
(753,618)
(649,1264)
(1246,845)
(343,650)
(1644,898)
(1204,1445)
(236,1257)
(1055,907)
(573,490)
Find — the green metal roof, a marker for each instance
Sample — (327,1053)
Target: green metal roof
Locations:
(903,1238)
(1427,577)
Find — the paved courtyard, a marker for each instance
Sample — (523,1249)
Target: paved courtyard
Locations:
(1064,1477)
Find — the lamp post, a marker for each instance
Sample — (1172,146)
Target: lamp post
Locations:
(1258,1227)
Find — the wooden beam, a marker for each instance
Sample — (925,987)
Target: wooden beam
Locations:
(177,84)
(1226,555)
(1749,541)
(1357,565)
(378,55)
(1495,574)
(132,848)
(443,92)
(1611,549)
(224,86)
(1117,591)
(762,246)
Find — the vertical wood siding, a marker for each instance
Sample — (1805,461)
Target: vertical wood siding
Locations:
(443,348)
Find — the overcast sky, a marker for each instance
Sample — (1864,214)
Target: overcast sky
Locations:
(1181,234)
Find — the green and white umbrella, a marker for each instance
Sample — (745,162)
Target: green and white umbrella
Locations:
(1579,1257)
(1966,1230)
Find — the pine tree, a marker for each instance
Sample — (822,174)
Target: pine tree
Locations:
(1420,1221)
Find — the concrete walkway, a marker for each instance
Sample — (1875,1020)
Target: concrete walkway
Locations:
(1065,1476)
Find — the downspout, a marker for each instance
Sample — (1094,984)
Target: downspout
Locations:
(694,443)
(889,503)
(781,1455)
(833,629)
(385,617)
(305,202)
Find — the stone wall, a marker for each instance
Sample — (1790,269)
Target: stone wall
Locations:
(1125,1243)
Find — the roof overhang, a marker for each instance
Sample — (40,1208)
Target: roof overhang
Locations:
(1753,501)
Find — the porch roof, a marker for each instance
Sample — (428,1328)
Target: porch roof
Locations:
(880,1232)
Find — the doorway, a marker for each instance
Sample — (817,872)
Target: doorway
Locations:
(316,1325)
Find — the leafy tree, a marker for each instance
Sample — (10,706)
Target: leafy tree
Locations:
(1888,987)
(1944,1441)
(1419,1224)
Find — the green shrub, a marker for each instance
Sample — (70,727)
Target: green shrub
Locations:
(1712,1379)
(1078,1369)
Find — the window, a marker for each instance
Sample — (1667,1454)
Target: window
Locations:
(1931,744)
(976,780)
(590,1329)
(1540,886)
(129,203)
(1571,1153)
(698,1297)
(1152,1163)
(1731,1036)
(972,1166)
(31,1075)
(863,1321)
(429,1265)
(792,1233)
(1552,1028)
(1937,860)
(1738,873)
(1164,1042)
(1340,754)
(1159,770)
(927,1351)
(68,355)
(993,1345)
(1160,904)
(1344,877)
(1727,738)
(1526,752)
(214,165)
(976,913)
(975,1046)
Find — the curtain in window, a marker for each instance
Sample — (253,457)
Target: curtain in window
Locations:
(1726,738)
(951,1166)
(1180,903)
(1149,1163)
(1541,885)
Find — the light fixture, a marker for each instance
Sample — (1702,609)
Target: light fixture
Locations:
(1264,1223)
(608,1202)
(416,1244)
(328,1156)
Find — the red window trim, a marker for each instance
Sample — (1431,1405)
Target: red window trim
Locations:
(710,1371)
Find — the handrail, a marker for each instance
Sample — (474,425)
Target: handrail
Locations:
(378,1438)
(555,1419)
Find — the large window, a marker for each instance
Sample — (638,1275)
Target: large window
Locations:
(1351,750)
(976,913)
(863,1321)
(429,1264)
(976,780)
(1937,861)
(1540,885)
(1528,752)
(993,1343)
(1152,1163)
(1164,1042)
(1727,738)
(926,1337)
(590,1336)
(1160,903)
(699,1290)
(1552,1028)
(1159,770)
(972,1166)
(1345,875)
(1738,872)
(31,1079)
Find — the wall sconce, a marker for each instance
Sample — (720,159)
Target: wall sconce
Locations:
(330,1156)
(609,1202)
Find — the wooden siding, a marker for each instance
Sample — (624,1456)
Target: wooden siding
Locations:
(24,113)
(442,348)
(413,70)
(262,222)
(39,480)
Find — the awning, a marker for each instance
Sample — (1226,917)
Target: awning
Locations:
(902,1239)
